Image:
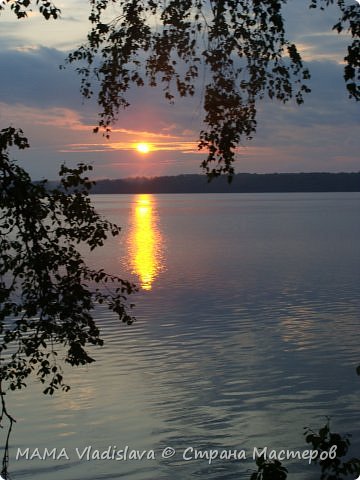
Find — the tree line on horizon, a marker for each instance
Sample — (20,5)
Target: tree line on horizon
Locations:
(242,183)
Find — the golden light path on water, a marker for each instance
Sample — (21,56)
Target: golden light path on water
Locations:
(145,241)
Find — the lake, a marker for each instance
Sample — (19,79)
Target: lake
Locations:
(247,331)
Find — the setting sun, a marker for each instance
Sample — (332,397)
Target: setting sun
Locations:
(143,147)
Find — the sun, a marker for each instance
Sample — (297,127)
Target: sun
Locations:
(143,147)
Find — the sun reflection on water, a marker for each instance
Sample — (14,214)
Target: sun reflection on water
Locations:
(145,241)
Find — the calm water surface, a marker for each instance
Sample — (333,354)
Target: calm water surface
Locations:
(247,331)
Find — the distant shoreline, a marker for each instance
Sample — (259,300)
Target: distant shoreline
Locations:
(242,183)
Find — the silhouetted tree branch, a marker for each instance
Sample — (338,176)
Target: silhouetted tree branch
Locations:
(4,414)
(241,45)
(47,291)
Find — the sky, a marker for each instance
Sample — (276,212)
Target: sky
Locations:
(322,135)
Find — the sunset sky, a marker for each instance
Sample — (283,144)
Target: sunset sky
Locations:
(322,135)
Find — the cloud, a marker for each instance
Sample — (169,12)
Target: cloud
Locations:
(31,75)
(175,146)
(69,30)
(311,30)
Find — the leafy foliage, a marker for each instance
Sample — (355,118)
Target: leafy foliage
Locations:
(47,292)
(332,468)
(269,470)
(22,7)
(239,47)
(349,20)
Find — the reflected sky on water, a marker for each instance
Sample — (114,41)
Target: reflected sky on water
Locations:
(247,331)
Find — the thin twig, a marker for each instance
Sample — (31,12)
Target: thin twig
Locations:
(5,413)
